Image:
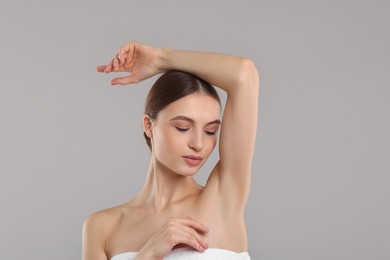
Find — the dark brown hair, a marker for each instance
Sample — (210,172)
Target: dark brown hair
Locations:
(172,86)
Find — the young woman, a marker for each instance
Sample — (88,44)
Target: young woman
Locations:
(173,217)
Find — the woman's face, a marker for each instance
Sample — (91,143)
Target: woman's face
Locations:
(187,127)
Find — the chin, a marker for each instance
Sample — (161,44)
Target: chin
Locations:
(180,170)
(188,171)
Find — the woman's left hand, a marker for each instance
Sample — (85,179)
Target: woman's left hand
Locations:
(142,61)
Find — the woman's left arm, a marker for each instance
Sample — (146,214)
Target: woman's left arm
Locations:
(238,76)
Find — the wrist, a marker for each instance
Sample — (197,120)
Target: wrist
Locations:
(163,59)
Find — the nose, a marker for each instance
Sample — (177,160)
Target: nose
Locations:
(196,141)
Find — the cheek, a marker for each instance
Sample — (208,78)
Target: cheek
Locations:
(211,144)
(167,141)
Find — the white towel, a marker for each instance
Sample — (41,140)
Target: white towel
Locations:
(188,253)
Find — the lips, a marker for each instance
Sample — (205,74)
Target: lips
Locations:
(192,159)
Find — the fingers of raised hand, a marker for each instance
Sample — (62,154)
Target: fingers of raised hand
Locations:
(124,80)
(126,51)
(115,63)
(121,58)
(101,68)
(112,66)
(108,67)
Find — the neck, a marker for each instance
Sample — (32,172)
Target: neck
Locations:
(163,187)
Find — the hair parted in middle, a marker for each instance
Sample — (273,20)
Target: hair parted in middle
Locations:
(171,86)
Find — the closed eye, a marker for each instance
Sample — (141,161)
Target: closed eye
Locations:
(210,133)
(181,129)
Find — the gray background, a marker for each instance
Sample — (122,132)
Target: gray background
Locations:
(71,145)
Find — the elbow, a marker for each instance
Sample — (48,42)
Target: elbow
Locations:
(248,74)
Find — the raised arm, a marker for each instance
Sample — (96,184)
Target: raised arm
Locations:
(239,78)
(234,74)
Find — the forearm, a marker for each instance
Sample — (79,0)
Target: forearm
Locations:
(222,70)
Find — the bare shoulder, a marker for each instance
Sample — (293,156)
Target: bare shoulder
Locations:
(98,225)
(106,220)
(103,219)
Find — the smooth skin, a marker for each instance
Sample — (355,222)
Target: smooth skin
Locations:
(172,210)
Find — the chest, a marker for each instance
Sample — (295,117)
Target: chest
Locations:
(136,228)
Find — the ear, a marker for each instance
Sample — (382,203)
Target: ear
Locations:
(148,126)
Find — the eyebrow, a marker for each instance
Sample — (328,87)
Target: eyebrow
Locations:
(217,121)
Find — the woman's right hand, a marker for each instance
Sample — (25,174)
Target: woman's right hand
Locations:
(175,231)
(140,60)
